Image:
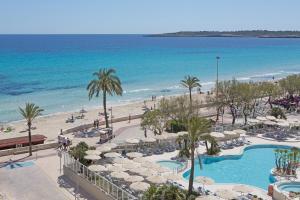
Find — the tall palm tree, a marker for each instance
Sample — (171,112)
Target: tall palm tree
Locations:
(106,82)
(197,126)
(30,112)
(190,82)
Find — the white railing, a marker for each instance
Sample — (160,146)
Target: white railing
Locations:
(102,183)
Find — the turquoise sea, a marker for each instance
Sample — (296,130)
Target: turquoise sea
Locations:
(53,70)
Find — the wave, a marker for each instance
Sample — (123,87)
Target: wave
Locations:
(137,90)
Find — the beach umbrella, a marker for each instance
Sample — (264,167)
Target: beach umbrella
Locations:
(225,194)
(132,141)
(148,139)
(92,157)
(162,170)
(131,165)
(174,177)
(147,172)
(122,161)
(182,133)
(269,123)
(97,168)
(111,145)
(82,111)
(134,155)
(140,186)
(112,155)
(269,117)
(103,149)
(133,179)
(115,168)
(93,152)
(151,165)
(161,137)
(283,124)
(240,131)
(206,197)
(140,160)
(260,118)
(242,189)
(120,175)
(217,135)
(156,179)
(253,121)
(138,170)
(280,120)
(204,180)
(231,134)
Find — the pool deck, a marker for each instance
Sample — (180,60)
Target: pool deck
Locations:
(235,151)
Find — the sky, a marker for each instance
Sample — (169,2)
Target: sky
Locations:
(145,16)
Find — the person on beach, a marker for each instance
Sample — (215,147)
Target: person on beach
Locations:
(145,133)
(129,118)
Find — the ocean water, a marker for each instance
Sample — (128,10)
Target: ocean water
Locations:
(53,70)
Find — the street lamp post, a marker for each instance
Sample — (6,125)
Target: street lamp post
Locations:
(111,116)
(217,95)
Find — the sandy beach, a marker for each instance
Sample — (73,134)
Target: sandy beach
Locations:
(51,125)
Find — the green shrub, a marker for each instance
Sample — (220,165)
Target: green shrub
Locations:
(278,113)
(175,126)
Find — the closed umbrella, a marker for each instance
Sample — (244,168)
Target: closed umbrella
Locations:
(112,155)
(134,155)
(92,157)
(120,175)
(140,186)
(133,141)
(156,179)
(97,168)
(225,194)
(242,189)
(93,152)
(240,131)
(133,179)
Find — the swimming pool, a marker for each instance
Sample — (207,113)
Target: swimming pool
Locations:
(170,164)
(290,187)
(15,165)
(251,168)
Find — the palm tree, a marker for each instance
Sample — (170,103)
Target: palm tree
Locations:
(106,82)
(30,112)
(197,126)
(190,82)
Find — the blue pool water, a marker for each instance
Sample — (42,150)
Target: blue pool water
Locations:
(290,187)
(252,168)
(16,165)
(170,164)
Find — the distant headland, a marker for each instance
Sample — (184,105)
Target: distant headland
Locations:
(246,33)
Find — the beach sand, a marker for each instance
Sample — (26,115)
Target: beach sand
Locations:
(51,125)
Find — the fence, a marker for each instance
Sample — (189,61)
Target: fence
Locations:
(104,185)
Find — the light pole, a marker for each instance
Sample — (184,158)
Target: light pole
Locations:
(217,95)
(111,116)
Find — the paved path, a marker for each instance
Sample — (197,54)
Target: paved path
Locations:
(28,183)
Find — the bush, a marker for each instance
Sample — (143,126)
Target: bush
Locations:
(278,113)
(78,152)
(175,126)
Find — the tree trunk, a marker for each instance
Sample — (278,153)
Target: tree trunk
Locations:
(104,108)
(206,145)
(232,110)
(29,138)
(270,102)
(190,89)
(191,178)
